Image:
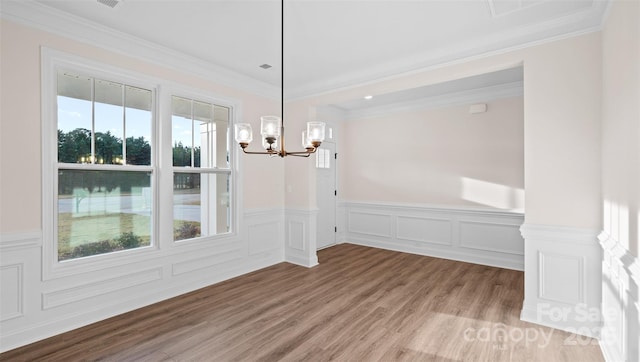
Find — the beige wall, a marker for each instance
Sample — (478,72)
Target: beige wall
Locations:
(440,156)
(20,152)
(562,89)
(621,124)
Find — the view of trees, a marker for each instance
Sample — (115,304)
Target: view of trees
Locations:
(182,155)
(75,147)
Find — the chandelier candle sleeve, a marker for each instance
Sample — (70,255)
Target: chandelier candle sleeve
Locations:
(306,141)
(270,126)
(315,132)
(244,134)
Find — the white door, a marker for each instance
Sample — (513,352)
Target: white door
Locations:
(326,194)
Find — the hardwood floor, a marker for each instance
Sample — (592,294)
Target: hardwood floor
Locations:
(359,304)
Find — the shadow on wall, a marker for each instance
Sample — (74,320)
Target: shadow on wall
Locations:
(492,194)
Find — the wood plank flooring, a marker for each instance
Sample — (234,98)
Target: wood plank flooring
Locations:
(359,304)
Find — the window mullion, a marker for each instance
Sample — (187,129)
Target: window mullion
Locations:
(124,125)
(193,137)
(93,120)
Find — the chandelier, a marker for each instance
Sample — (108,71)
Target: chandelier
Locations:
(272,127)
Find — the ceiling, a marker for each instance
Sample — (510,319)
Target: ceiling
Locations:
(330,44)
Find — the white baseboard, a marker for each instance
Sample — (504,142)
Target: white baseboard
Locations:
(481,236)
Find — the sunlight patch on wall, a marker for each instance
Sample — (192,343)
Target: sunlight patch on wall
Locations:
(618,220)
(492,194)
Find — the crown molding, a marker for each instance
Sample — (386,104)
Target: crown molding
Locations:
(485,94)
(580,23)
(42,17)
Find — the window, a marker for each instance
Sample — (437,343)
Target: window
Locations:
(131,165)
(323,158)
(104,166)
(201,168)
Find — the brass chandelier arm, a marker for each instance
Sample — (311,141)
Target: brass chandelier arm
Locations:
(281,154)
(297,155)
(307,152)
(259,153)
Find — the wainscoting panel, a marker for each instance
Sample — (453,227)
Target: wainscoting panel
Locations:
(34,308)
(12,281)
(492,236)
(264,237)
(562,278)
(20,268)
(620,336)
(369,223)
(426,230)
(481,236)
(100,287)
(297,237)
(300,239)
(225,254)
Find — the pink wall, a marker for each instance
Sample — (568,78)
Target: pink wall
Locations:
(621,124)
(438,156)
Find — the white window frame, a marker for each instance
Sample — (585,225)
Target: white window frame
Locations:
(166,185)
(161,165)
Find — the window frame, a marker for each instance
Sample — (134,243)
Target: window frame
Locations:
(194,95)
(161,167)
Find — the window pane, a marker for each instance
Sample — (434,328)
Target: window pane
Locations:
(221,118)
(204,154)
(74,118)
(102,211)
(181,134)
(199,134)
(200,205)
(138,125)
(109,122)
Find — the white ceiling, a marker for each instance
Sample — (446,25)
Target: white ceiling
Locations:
(331,44)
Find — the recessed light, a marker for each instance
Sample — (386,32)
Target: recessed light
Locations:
(368,97)
(265,66)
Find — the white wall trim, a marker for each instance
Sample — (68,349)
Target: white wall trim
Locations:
(562,278)
(300,237)
(481,236)
(560,234)
(55,298)
(20,240)
(620,301)
(617,251)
